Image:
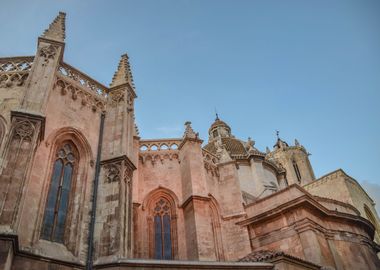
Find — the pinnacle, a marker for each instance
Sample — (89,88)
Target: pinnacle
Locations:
(56,30)
(123,73)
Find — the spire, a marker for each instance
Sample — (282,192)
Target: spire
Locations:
(56,30)
(216,115)
(123,73)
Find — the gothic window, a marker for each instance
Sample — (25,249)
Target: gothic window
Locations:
(56,209)
(162,230)
(215,133)
(297,171)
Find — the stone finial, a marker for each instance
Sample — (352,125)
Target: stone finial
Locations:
(123,73)
(250,144)
(296,142)
(189,132)
(56,30)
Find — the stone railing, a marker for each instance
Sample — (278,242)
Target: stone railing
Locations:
(159,145)
(157,151)
(79,79)
(15,70)
(80,86)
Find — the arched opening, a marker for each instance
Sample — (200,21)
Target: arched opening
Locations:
(162,230)
(143,148)
(161,216)
(57,205)
(164,147)
(69,163)
(297,171)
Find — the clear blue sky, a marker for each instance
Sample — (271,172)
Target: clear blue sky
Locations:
(310,69)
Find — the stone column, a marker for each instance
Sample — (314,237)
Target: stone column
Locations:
(114,211)
(113,229)
(197,216)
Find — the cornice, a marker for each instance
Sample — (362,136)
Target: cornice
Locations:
(122,158)
(307,201)
(194,198)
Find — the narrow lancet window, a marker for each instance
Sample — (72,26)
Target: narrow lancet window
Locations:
(297,171)
(162,231)
(53,227)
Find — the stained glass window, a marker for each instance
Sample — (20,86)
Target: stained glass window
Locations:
(162,230)
(56,209)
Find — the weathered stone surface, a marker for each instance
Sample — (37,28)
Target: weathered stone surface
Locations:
(201,207)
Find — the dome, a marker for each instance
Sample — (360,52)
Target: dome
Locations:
(234,147)
(219,129)
(219,123)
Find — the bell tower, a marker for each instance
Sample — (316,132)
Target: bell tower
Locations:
(294,159)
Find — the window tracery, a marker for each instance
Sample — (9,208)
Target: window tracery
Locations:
(162,230)
(56,209)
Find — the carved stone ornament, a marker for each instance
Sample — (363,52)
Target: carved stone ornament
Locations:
(90,100)
(48,52)
(116,97)
(9,80)
(24,130)
(113,173)
(249,145)
(189,132)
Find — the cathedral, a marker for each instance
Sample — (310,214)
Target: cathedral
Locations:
(80,189)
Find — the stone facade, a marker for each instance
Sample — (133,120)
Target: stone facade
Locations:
(80,189)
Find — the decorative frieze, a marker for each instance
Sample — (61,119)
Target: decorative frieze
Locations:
(94,102)
(210,163)
(48,52)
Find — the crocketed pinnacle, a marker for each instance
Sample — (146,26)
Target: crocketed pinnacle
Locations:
(56,30)
(123,73)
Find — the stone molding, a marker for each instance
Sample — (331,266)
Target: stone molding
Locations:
(194,198)
(13,238)
(307,201)
(33,118)
(334,175)
(124,158)
(176,264)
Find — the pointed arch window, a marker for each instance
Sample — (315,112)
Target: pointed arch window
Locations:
(162,230)
(56,209)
